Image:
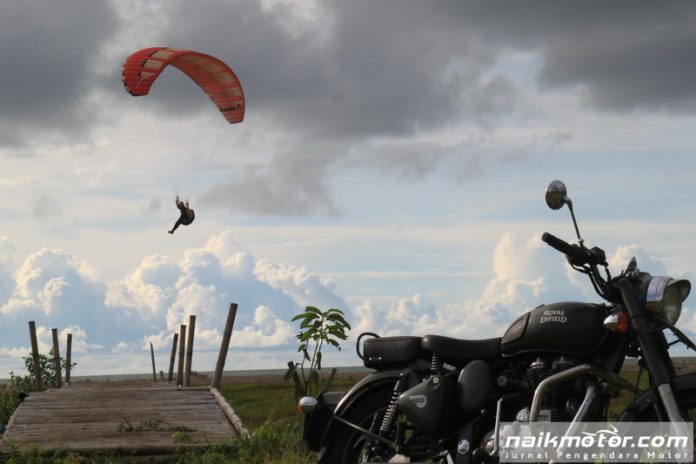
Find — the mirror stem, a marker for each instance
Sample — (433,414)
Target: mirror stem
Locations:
(575,223)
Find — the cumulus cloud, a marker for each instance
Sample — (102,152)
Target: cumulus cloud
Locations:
(624,254)
(57,289)
(52,282)
(149,289)
(207,280)
(122,317)
(266,330)
(526,274)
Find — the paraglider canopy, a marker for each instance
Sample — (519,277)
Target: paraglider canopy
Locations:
(142,68)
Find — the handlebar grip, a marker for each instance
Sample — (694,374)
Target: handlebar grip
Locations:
(560,245)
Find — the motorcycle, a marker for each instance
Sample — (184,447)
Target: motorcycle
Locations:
(443,400)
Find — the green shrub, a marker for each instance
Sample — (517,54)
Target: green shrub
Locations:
(317,328)
(9,394)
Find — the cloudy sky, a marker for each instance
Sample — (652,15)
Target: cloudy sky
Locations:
(392,163)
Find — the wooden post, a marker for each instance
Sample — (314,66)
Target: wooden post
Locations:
(182,347)
(154,371)
(35,356)
(68,359)
(300,389)
(217,378)
(172,358)
(328,382)
(56,358)
(189,350)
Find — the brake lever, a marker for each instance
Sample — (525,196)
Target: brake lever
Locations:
(600,257)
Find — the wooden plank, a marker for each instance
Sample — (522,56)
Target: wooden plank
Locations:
(134,418)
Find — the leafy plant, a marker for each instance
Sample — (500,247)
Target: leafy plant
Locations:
(11,394)
(317,328)
(48,372)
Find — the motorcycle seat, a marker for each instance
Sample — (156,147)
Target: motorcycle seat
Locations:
(457,351)
(388,352)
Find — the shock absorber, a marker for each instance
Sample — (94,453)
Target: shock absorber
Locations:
(390,414)
(435,364)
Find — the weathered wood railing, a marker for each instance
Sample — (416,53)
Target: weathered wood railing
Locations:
(36,358)
(182,340)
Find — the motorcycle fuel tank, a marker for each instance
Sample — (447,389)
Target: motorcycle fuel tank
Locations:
(568,327)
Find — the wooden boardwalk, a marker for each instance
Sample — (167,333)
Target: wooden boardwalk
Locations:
(122,418)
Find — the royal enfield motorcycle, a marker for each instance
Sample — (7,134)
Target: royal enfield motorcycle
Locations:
(442,400)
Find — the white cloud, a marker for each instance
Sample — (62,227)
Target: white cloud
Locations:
(526,274)
(306,288)
(58,289)
(148,290)
(122,317)
(203,284)
(623,255)
(267,329)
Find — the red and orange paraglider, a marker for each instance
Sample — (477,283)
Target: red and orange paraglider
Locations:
(142,68)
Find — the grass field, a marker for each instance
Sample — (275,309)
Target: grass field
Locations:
(267,408)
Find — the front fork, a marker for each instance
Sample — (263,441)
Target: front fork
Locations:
(657,361)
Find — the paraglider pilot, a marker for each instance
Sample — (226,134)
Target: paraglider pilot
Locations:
(187,216)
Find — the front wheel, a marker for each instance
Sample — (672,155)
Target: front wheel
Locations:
(351,446)
(686,400)
(654,412)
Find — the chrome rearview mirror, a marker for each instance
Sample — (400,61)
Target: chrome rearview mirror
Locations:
(556,195)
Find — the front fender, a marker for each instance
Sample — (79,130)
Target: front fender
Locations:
(681,385)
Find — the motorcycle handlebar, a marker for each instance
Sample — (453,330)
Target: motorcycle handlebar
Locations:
(577,255)
(561,245)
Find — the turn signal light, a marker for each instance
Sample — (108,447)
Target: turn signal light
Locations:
(307,404)
(617,322)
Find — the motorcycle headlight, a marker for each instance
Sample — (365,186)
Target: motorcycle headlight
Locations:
(665,297)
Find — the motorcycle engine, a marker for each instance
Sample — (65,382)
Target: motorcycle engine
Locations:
(560,402)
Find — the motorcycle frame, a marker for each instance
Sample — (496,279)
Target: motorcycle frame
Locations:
(654,353)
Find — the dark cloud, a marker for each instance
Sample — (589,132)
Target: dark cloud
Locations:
(294,184)
(47,50)
(627,55)
(361,68)
(348,74)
